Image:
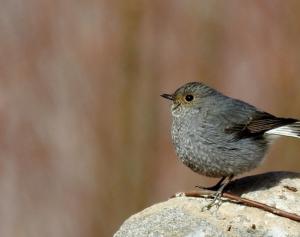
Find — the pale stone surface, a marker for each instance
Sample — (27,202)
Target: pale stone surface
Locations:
(182,216)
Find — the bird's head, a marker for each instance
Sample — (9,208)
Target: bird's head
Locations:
(188,97)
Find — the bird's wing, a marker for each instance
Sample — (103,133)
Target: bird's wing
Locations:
(258,123)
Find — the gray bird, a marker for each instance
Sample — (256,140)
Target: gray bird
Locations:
(218,136)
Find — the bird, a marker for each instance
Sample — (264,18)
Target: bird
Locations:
(219,136)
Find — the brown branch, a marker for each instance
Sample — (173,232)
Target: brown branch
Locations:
(247,202)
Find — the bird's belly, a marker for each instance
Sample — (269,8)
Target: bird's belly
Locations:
(215,159)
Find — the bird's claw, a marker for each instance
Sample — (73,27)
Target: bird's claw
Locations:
(215,202)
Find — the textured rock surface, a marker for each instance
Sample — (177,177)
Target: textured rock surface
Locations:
(182,216)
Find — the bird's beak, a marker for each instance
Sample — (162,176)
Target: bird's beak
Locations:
(167,96)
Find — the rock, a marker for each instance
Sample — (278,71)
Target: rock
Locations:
(182,216)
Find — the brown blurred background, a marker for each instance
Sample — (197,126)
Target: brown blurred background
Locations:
(84,134)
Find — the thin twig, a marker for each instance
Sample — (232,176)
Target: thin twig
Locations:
(247,202)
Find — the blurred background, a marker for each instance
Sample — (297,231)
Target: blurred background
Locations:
(84,134)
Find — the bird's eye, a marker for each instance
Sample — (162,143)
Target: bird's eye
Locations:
(189,98)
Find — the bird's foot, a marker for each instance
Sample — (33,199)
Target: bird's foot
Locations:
(218,195)
(216,201)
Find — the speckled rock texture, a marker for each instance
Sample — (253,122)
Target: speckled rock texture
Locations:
(182,216)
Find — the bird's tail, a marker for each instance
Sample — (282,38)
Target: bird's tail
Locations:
(291,130)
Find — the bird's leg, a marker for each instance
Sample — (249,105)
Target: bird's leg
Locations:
(214,187)
(218,194)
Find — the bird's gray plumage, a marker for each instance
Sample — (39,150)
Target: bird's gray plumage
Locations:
(219,136)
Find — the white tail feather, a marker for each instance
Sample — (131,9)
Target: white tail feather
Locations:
(291,130)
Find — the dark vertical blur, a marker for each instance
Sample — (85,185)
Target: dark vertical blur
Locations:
(84,135)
